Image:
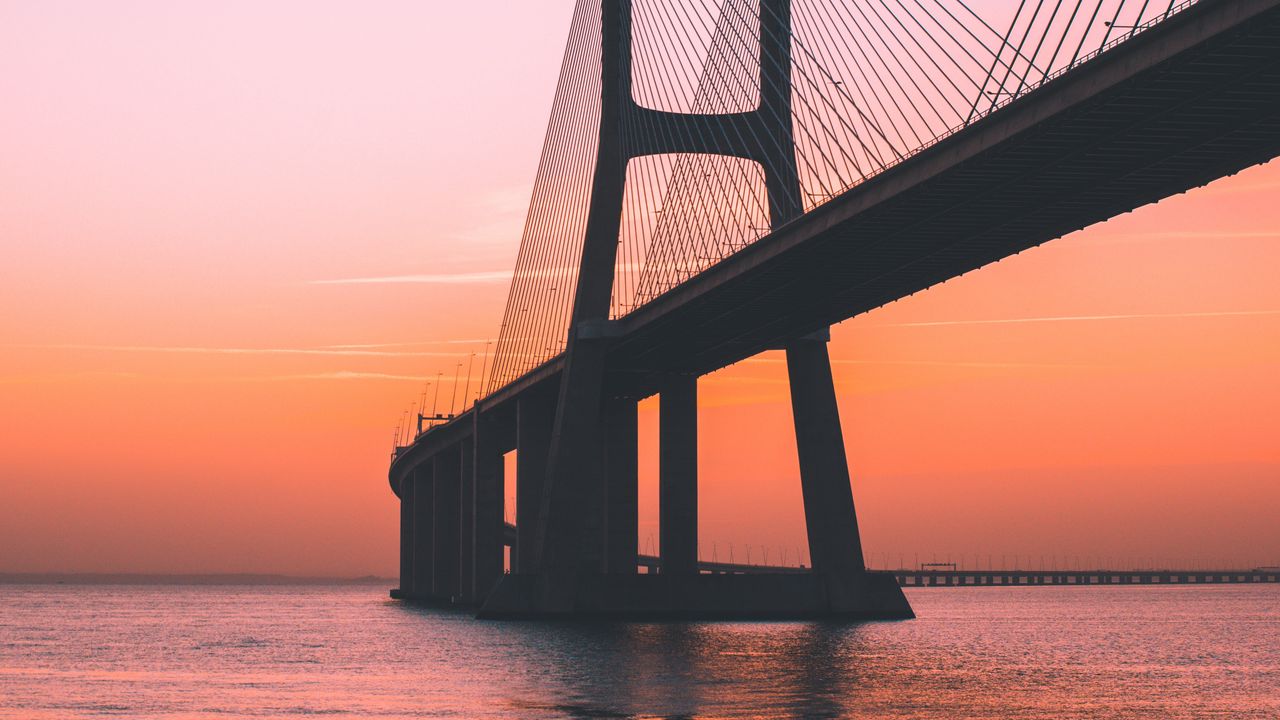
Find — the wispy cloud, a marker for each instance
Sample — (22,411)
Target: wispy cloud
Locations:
(331,351)
(962,364)
(1086,318)
(464,278)
(563,273)
(63,377)
(499,216)
(738,380)
(336,375)
(930,363)
(414,343)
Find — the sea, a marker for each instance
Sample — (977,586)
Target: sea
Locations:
(348,651)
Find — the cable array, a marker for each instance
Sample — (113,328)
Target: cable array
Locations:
(536,320)
(700,57)
(869,84)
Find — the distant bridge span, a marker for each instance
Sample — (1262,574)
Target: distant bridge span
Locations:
(1193,98)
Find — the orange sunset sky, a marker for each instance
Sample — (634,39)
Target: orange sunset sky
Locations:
(189,381)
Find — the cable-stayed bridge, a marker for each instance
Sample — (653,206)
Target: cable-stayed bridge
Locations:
(725,177)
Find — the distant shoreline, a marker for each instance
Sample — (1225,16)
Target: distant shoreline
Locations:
(183,579)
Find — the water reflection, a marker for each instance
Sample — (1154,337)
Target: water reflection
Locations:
(207,652)
(695,670)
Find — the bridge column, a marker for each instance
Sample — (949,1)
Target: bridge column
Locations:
(406,535)
(678,475)
(832,524)
(423,530)
(466,521)
(621,477)
(573,456)
(447,472)
(487,521)
(535,414)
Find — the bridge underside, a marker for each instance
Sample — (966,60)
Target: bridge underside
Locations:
(1165,112)
(1195,98)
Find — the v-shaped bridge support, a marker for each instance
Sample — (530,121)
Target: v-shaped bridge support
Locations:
(578,559)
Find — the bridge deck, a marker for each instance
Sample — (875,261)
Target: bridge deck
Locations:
(1193,99)
(1171,109)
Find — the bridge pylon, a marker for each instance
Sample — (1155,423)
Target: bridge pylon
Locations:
(576,546)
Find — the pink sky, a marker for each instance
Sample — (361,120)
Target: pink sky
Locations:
(179,390)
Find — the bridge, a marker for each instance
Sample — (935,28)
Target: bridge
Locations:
(1083,578)
(726,177)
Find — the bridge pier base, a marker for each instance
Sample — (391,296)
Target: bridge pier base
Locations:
(856,596)
(831,522)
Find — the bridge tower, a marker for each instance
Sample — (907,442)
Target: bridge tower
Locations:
(580,554)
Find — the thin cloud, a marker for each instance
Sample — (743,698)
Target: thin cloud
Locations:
(468,278)
(63,377)
(338,375)
(731,380)
(565,272)
(931,363)
(1086,318)
(450,382)
(962,364)
(197,350)
(416,343)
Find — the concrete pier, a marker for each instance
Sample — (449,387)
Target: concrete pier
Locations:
(535,416)
(832,524)
(487,527)
(445,506)
(466,523)
(622,486)
(678,476)
(406,540)
(423,531)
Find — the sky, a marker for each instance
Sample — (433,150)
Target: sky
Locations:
(189,381)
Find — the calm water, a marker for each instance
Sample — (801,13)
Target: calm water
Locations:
(219,652)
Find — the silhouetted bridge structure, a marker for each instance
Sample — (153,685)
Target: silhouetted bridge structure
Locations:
(806,161)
